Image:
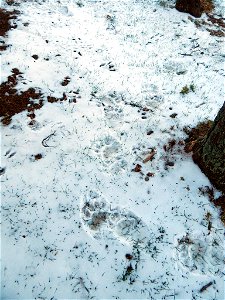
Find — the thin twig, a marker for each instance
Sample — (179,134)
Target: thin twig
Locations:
(47,139)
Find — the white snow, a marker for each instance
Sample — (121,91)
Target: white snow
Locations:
(69,219)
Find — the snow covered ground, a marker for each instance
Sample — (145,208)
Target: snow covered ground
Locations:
(80,222)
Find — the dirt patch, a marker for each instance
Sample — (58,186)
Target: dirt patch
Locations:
(214,25)
(216,21)
(7,22)
(14,101)
(6,18)
(65,81)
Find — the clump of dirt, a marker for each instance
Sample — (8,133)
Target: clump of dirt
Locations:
(35,56)
(65,81)
(6,24)
(54,99)
(14,101)
(137,168)
(195,134)
(38,156)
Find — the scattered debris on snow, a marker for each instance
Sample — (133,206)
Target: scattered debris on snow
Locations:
(99,198)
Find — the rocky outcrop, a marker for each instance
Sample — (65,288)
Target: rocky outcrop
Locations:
(193,7)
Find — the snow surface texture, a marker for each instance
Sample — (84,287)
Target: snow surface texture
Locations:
(71,218)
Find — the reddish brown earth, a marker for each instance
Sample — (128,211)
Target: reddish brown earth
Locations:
(6,24)
(14,101)
(6,18)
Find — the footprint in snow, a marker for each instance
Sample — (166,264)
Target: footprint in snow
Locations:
(200,254)
(174,67)
(113,109)
(99,217)
(114,115)
(109,151)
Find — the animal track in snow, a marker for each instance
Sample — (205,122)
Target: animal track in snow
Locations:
(110,153)
(174,67)
(113,109)
(114,115)
(200,254)
(150,97)
(98,217)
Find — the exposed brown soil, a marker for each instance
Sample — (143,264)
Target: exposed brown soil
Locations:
(14,101)
(5,20)
(218,33)
(38,156)
(54,99)
(214,25)
(137,168)
(216,21)
(6,23)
